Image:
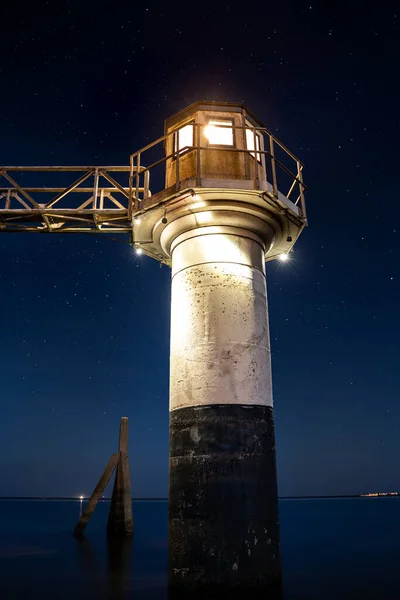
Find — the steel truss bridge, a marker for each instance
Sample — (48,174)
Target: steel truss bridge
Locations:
(93,202)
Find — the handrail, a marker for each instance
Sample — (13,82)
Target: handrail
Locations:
(106,207)
(261,129)
(85,190)
(295,178)
(276,164)
(63,169)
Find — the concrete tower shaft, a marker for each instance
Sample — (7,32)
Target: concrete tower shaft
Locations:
(219,319)
(222,461)
(219,330)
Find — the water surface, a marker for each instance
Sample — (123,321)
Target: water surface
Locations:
(331,549)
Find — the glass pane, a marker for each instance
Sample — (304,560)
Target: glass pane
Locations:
(184,137)
(219,132)
(250,142)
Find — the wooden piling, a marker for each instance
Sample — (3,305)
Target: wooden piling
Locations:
(120,520)
(98,490)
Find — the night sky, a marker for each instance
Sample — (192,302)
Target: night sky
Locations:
(84,336)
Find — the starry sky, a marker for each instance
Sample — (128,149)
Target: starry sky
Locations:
(84,322)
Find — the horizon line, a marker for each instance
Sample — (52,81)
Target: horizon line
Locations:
(384,494)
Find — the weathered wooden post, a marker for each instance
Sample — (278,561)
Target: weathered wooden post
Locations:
(120,520)
(98,490)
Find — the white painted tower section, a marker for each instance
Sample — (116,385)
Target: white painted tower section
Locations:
(220,349)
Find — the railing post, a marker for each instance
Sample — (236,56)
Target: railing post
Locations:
(177,171)
(246,154)
(146,184)
(197,142)
(130,201)
(273,165)
(302,200)
(8,199)
(256,179)
(95,188)
(137,181)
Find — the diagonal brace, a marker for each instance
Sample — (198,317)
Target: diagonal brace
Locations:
(69,188)
(114,183)
(19,188)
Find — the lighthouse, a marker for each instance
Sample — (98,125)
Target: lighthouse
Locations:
(233,199)
(213,198)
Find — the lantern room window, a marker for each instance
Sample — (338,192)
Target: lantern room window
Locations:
(183,138)
(219,132)
(250,142)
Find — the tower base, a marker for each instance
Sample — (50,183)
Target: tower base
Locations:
(223,508)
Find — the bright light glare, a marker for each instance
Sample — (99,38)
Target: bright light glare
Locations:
(139,251)
(137,220)
(219,132)
(81,497)
(284,257)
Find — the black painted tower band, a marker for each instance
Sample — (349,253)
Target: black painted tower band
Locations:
(223,506)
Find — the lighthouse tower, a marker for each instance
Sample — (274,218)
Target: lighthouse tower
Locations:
(233,199)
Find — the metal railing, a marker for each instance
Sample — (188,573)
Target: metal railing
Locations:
(274,166)
(116,193)
(107,208)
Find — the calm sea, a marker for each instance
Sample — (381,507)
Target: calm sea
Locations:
(332,549)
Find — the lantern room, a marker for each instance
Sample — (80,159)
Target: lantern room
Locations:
(215,144)
(219,165)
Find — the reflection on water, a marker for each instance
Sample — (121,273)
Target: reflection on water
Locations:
(119,559)
(115,582)
(41,558)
